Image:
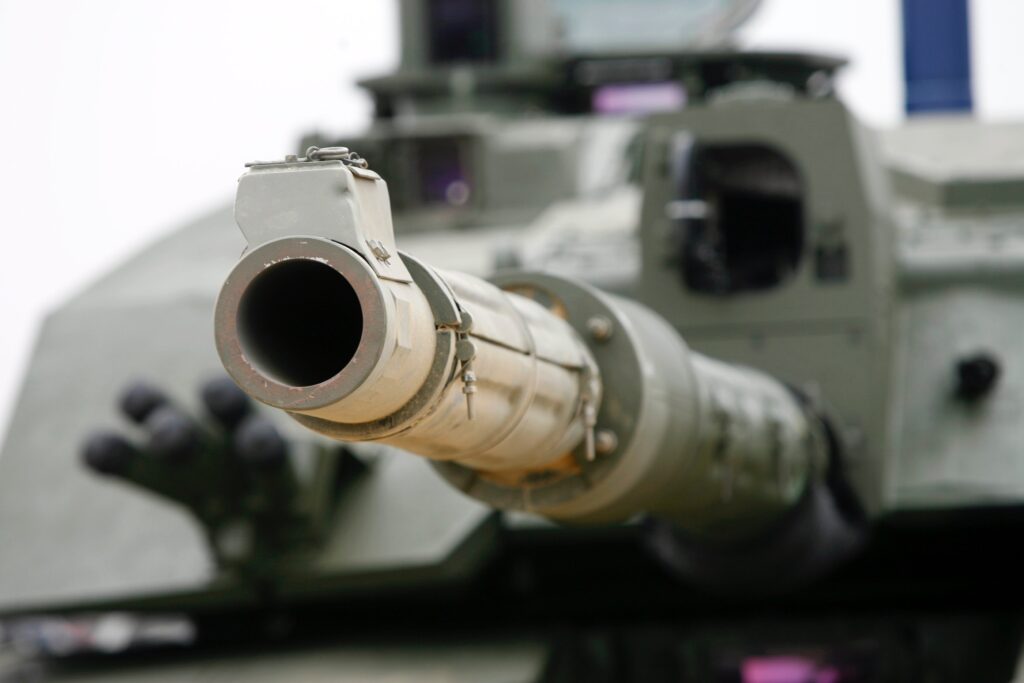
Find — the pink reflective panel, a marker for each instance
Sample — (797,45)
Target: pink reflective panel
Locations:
(787,669)
(638,98)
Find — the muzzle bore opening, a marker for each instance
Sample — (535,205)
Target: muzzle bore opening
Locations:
(299,322)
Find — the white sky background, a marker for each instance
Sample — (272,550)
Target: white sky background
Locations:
(124,118)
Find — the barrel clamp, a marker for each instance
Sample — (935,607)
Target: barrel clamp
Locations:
(451,318)
(609,428)
(465,351)
(589,394)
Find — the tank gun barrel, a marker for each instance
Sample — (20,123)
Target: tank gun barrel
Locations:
(489,379)
(534,392)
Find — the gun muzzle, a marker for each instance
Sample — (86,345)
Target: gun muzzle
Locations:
(536,393)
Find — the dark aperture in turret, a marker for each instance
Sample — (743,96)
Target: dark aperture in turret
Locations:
(463,31)
(741,214)
(429,172)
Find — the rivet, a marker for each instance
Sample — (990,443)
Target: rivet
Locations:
(600,328)
(605,441)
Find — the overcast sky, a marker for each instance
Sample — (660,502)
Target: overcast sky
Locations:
(124,118)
